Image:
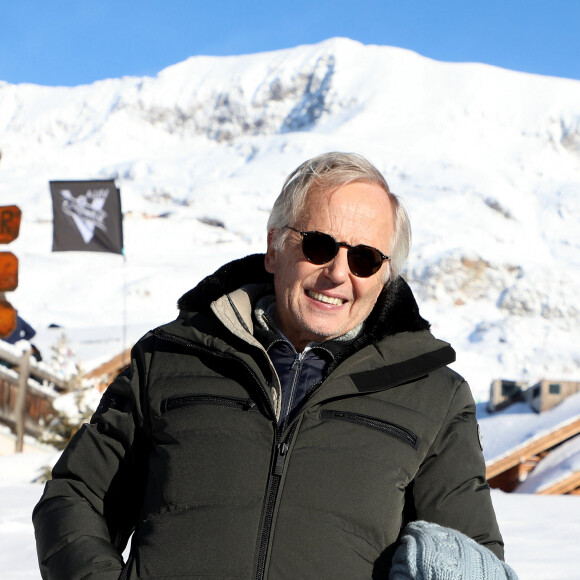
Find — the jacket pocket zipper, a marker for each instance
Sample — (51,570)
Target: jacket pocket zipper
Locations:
(386,427)
(191,400)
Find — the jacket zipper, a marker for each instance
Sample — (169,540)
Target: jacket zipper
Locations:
(125,573)
(191,400)
(276,471)
(392,429)
(296,369)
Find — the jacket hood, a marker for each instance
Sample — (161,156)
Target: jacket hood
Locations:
(396,309)
(230,277)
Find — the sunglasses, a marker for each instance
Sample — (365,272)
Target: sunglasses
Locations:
(320,248)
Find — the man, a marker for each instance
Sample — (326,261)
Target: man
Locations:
(291,421)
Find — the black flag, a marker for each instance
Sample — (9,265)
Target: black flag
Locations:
(86,216)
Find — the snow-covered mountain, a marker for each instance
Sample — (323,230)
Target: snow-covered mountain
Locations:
(487,161)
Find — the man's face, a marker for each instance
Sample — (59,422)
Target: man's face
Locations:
(319,302)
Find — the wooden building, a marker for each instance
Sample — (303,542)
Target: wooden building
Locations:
(541,396)
(546,394)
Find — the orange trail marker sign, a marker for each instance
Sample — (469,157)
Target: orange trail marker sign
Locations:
(7,317)
(9,223)
(8,272)
(9,229)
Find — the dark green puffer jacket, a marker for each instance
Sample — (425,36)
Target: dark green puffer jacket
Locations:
(185,449)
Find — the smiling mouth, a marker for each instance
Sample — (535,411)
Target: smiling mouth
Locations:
(323,298)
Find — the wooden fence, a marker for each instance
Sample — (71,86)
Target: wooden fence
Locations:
(27,392)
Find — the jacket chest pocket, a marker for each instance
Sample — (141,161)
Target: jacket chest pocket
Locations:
(388,428)
(202,445)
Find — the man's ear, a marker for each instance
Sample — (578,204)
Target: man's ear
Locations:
(270,258)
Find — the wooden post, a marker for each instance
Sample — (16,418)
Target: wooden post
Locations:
(20,403)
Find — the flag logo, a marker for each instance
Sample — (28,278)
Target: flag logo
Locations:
(86,211)
(87,216)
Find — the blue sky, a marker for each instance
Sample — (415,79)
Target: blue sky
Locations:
(71,42)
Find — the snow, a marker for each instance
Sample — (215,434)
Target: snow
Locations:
(487,162)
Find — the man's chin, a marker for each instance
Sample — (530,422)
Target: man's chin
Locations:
(323,334)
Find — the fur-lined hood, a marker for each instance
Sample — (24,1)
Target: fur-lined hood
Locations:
(396,309)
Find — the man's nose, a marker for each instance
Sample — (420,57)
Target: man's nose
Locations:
(337,269)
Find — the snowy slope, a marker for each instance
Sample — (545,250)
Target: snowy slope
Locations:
(487,160)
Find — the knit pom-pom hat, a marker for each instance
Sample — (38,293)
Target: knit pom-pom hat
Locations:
(431,552)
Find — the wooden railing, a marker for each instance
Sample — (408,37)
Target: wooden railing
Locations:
(27,391)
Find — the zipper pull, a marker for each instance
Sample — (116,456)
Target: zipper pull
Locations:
(280,458)
(249,404)
(296,362)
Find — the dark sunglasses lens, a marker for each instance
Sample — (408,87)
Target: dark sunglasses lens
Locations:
(364,261)
(319,248)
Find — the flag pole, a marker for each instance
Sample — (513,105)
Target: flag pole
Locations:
(87,216)
(124,345)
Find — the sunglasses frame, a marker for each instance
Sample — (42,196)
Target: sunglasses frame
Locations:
(337,246)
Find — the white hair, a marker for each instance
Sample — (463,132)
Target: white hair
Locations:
(330,171)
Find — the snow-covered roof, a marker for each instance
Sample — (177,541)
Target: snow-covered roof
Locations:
(518,425)
(556,467)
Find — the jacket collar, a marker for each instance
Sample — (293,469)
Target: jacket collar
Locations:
(395,311)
